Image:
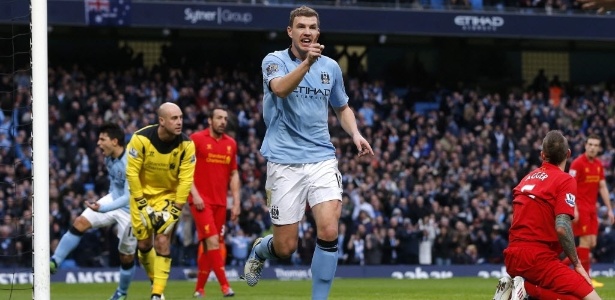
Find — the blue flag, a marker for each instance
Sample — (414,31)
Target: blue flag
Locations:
(107,12)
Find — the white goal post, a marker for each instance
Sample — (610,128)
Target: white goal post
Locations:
(40,152)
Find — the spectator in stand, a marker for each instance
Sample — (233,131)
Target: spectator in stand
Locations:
(374,246)
(342,244)
(390,248)
(444,245)
(409,239)
(428,226)
(601,6)
(240,244)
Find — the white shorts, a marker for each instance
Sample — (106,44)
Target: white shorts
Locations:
(288,188)
(121,217)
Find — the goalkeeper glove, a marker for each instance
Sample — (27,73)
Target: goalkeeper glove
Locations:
(166,220)
(146,212)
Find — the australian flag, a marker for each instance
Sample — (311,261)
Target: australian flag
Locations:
(107,12)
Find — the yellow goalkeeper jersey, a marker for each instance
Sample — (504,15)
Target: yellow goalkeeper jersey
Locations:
(156,168)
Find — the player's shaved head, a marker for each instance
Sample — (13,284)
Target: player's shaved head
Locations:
(168,109)
(170,119)
(555,147)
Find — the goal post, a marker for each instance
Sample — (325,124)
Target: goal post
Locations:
(40,152)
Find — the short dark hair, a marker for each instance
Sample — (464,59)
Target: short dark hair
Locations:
(555,147)
(594,136)
(114,131)
(302,11)
(210,115)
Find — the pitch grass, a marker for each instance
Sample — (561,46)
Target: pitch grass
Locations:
(462,288)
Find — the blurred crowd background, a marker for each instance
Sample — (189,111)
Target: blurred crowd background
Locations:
(523,6)
(437,191)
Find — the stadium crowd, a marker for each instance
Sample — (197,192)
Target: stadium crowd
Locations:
(522,6)
(437,190)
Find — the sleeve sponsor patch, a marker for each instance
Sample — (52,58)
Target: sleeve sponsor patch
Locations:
(573,172)
(133,152)
(272,68)
(570,199)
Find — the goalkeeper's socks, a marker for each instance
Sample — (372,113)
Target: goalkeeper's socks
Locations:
(68,243)
(204,268)
(218,266)
(162,268)
(265,250)
(324,264)
(147,259)
(126,273)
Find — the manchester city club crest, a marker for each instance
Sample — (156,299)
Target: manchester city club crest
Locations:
(324,77)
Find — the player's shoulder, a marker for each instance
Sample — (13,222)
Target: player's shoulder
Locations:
(200,137)
(229,139)
(329,64)
(560,176)
(278,53)
(580,159)
(328,60)
(279,56)
(124,156)
(147,131)
(185,138)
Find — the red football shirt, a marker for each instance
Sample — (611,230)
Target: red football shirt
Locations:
(540,196)
(215,160)
(588,174)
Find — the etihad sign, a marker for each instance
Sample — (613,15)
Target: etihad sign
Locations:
(219,16)
(479,23)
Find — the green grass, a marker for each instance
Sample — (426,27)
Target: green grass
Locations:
(462,288)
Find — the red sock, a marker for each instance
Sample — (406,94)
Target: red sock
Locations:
(215,258)
(584,258)
(543,294)
(204,269)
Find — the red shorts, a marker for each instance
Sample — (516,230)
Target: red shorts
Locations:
(209,221)
(541,266)
(587,223)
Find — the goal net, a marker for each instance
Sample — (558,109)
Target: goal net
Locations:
(24,221)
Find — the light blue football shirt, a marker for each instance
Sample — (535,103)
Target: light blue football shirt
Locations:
(118,187)
(297,126)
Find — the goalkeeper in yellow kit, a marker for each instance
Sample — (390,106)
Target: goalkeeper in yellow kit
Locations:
(159,172)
